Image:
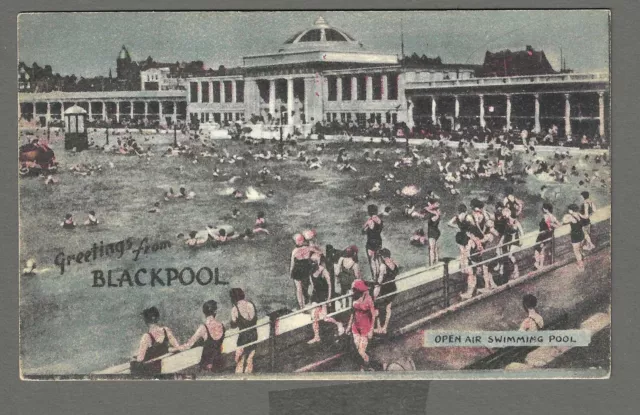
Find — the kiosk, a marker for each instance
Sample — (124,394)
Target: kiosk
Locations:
(75,128)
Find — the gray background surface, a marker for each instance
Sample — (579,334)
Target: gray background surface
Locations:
(618,395)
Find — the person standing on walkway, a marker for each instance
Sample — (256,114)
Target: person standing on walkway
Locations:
(547,224)
(361,320)
(385,288)
(300,269)
(573,219)
(373,228)
(433,216)
(587,209)
(153,344)
(244,317)
(210,336)
(321,283)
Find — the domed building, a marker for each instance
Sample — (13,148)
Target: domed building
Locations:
(321,69)
(320,73)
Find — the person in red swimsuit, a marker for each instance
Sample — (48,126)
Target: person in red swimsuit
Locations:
(361,320)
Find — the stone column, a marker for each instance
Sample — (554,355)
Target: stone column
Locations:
(567,115)
(35,112)
(290,101)
(434,118)
(601,129)
(483,122)
(117,111)
(90,111)
(146,109)
(233,92)
(272,97)
(222,94)
(104,111)
(199,83)
(354,88)
(48,117)
(211,92)
(384,83)
(369,88)
(174,119)
(131,108)
(508,116)
(536,126)
(338,88)
(456,108)
(160,115)
(410,106)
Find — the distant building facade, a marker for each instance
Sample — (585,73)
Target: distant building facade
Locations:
(518,63)
(323,74)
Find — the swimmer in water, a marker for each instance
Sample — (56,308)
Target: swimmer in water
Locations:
(68,222)
(91,219)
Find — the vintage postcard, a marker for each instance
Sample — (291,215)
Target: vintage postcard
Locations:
(419,194)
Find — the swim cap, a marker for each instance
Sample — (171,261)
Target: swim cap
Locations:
(298,239)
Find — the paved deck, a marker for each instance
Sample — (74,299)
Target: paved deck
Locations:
(563,290)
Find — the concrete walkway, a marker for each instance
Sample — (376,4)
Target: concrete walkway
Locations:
(564,290)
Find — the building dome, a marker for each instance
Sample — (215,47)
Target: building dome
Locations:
(322,35)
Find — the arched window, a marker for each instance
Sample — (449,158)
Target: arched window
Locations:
(292,38)
(314,35)
(333,35)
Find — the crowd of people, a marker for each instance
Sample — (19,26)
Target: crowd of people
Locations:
(159,340)
(486,232)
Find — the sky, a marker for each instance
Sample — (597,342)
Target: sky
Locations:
(87,44)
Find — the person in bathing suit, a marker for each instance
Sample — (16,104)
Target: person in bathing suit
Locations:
(153,344)
(210,336)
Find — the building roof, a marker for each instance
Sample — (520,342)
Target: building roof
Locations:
(320,36)
(320,44)
(518,63)
(124,53)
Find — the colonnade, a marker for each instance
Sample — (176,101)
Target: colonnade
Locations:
(508,115)
(233,98)
(103,112)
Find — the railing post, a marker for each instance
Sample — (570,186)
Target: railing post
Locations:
(273,318)
(273,326)
(175,135)
(445,280)
(553,247)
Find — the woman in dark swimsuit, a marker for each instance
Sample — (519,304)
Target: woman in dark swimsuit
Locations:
(490,244)
(385,286)
(433,216)
(574,220)
(321,282)
(481,233)
(300,269)
(546,226)
(514,205)
(210,336)
(463,240)
(244,317)
(512,233)
(347,270)
(154,343)
(587,209)
(373,228)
